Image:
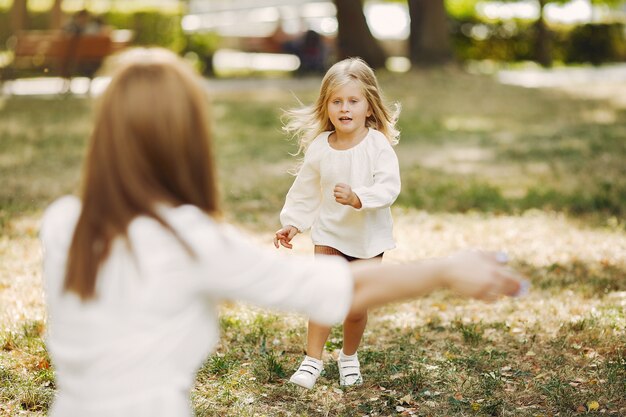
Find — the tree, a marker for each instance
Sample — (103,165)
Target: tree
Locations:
(19,15)
(354,37)
(429,39)
(56,15)
(543,37)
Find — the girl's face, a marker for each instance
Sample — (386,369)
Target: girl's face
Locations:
(348,109)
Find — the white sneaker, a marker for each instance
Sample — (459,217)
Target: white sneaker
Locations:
(308,372)
(349,370)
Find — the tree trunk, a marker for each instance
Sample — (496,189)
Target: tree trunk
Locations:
(429,40)
(354,38)
(56,15)
(19,16)
(543,47)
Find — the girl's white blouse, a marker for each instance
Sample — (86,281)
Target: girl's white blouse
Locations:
(371,168)
(134,349)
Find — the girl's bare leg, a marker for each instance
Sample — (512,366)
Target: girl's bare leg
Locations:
(353,328)
(353,325)
(316,339)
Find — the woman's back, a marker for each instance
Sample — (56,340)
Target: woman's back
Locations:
(134,348)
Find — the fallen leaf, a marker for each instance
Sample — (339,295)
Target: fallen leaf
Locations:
(440,306)
(592,405)
(407,399)
(43,364)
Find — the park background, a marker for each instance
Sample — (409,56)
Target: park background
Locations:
(513,138)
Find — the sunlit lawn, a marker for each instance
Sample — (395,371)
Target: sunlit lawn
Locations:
(539,173)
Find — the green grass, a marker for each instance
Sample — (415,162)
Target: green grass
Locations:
(537,172)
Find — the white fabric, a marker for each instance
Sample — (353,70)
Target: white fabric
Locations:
(371,169)
(135,348)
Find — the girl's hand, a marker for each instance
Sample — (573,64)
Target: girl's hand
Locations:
(284,236)
(481,275)
(344,195)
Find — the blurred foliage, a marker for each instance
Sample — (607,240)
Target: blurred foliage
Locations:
(150,28)
(596,44)
(512,40)
(461,9)
(200,48)
(472,38)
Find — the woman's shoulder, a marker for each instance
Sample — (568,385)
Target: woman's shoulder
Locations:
(186,216)
(60,217)
(189,220)
(62,204)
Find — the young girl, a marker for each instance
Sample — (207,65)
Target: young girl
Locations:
(135,268)
(346,184)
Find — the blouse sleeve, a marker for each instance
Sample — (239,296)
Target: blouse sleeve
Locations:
(231,267)
(305,195)
(386,187)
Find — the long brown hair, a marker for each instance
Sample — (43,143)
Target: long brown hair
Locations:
(150,144)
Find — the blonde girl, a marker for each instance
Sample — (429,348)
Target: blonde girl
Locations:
(135,268)
(343,191)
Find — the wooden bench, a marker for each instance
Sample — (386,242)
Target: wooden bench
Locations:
(54,53)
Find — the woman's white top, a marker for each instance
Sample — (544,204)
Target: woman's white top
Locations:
(371,169)
(133,351)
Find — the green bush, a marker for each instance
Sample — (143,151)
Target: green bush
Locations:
(507,41)
(513,40)
(596,44)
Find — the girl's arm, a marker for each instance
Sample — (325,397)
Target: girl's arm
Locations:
(386,185)
(304,196)
(472,274)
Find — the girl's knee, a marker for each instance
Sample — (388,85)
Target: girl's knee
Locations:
(357,316)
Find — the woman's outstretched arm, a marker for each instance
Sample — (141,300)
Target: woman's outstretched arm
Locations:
(472,274)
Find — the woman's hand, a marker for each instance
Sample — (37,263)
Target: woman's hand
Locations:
(344,195)
(481,275)
(285,235)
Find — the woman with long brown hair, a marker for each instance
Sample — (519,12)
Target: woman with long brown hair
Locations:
(136,266)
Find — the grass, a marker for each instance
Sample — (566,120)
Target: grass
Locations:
(537,172)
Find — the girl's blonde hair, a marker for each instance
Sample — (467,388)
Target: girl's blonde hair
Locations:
(307,122)
(150,144)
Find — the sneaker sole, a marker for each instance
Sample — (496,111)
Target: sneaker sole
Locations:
(303,384)
(357,382)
